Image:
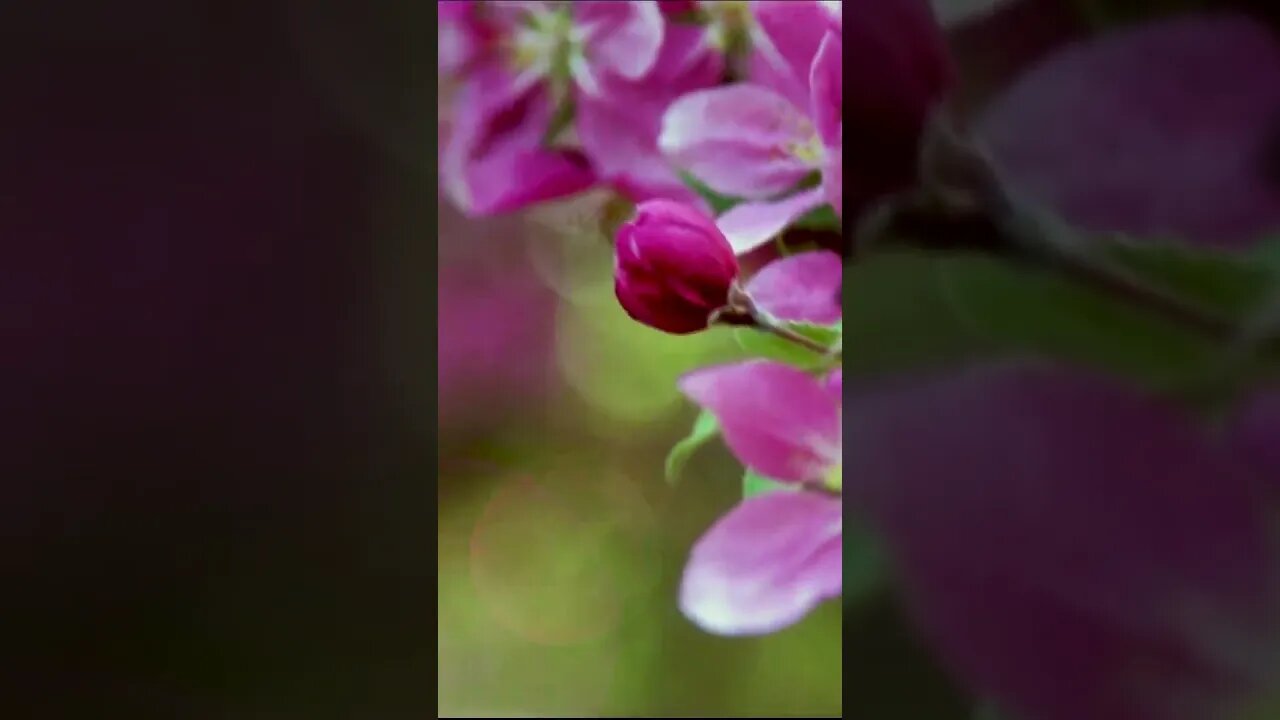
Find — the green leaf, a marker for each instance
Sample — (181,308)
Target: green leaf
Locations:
(704,429)
(819,218)
(1228,286)
(719,203)
(913,311)
(866,569)
(753,483)
(1267,254)
(761,344)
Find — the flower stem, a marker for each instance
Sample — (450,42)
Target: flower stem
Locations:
(742,310)
(768,323)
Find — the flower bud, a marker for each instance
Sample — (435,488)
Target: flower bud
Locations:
(673,267)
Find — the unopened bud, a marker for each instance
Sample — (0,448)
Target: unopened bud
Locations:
(673,267)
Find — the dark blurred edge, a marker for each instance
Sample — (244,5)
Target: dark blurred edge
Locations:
(889,670)
(215,301)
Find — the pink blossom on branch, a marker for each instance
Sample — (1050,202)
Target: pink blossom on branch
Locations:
(520,64)
(748,141)
(618,128)
(775,556)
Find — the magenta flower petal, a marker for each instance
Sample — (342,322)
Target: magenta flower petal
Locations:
(624,38)
(1054,529)
(1255,435)
(833,177)
(494,161)
(515,178)
(618,129)
(776,419)
(835,385)
(765,564)
(749,225)
(826,84)
(791,32)
(739,139)
(457,41)
(1158,131)
(800,287)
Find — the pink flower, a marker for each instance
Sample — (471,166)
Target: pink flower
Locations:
(618,128)
(1105,135)
(523,63)
(752,141)
(673,269)
(1072,548)
(775,556)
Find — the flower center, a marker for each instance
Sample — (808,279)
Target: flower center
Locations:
(809,152)
(545,43)
(728,23)
(834,477)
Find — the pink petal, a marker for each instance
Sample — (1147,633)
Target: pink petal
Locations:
(625,37)
(618,129)
(776,419)
(494,161)
(456,39)
(1255,435)
(825,83)
(833,177)
(1157,131)
(835,384)
(765,564)
(511,13)
(749,225)
(800,287)
(790,33)
(506,181)
(737,140)
(1054,528)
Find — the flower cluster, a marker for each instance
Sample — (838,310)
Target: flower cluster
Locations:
(723,122)
(1056,532)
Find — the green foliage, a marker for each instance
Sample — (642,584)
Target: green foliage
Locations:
(753,483)
(865,567)
(819,218)
(1227,286)
(719,203)
(704,429)
(912,311)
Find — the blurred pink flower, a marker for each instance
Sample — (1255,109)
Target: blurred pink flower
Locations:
(495,324)
(775,556)
(520,64)
(1163,130)
(618,128)
(1071,547)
